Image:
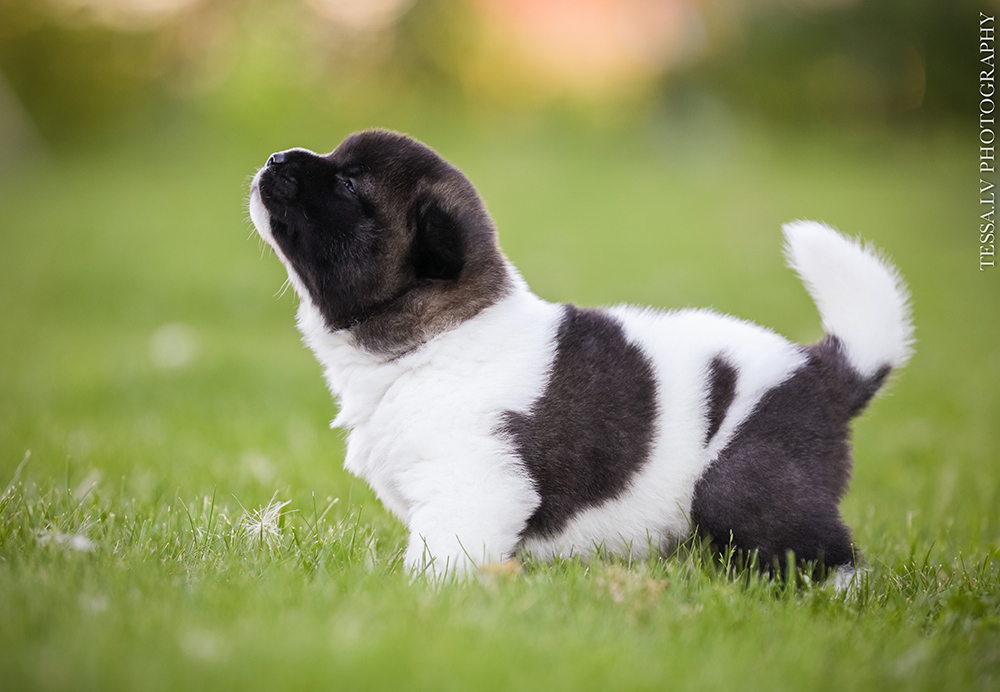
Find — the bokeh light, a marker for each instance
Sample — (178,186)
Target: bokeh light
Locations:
(70,69)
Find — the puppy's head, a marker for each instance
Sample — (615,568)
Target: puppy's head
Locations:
(382,236)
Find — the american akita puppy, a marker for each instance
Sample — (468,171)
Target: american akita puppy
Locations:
(494,423)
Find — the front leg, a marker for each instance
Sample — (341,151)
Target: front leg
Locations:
(466,515)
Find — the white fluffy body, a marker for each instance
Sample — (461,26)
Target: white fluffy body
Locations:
(422,428)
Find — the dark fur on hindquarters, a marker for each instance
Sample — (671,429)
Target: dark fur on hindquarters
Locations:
(775,487)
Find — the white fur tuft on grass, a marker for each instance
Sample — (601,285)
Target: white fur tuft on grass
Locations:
(262,527)
(70,541)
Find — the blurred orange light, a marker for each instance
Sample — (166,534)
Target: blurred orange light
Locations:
(593,46)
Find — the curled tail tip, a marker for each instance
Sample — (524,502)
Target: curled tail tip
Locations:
(811,240)
(861,296)
(802,227)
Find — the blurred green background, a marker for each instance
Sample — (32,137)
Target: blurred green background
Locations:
(630,150)
(640,151)
(79,71)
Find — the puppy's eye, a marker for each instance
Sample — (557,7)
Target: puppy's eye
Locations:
(349,184)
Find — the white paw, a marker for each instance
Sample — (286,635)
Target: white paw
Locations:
(847,580)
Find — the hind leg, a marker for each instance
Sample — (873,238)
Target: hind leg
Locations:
(763,499)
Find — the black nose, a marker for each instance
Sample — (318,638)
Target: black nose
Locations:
(276,158)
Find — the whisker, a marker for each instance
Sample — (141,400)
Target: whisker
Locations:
(284,287)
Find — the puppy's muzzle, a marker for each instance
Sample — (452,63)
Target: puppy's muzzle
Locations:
(279,175)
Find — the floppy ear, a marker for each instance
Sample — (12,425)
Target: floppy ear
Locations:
(438,250)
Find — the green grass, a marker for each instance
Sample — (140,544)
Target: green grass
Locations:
(128,555)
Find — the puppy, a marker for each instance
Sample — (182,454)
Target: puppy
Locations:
(495,424)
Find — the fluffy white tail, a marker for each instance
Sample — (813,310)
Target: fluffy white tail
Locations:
(862,299)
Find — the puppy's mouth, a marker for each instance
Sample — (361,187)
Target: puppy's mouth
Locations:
(258,212)
(261,218)
(273,187)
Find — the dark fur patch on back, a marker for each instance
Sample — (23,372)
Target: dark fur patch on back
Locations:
(721,391)
(776,485)
(592,429)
